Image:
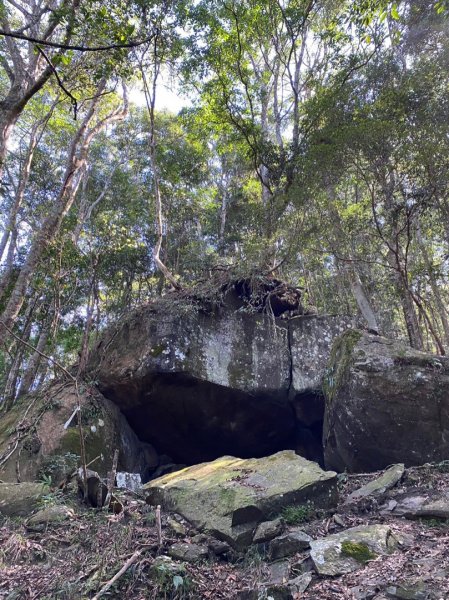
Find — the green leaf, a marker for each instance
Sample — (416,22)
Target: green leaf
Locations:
(178,581)
(394,12)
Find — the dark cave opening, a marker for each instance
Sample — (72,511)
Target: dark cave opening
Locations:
(183,421)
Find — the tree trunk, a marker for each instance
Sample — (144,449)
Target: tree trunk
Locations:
(32,367)
(363,303)
(51,224)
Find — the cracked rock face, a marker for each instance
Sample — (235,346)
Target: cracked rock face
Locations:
(385,403)
(198,385)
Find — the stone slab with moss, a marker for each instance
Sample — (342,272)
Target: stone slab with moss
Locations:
(385,403)
(349,550)
(230,496)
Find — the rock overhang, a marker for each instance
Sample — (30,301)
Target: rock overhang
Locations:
(201,384)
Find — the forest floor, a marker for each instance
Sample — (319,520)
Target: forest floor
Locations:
(75,558)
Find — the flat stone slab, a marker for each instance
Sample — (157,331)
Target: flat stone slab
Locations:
(380,485)
(230,496)
(419,504)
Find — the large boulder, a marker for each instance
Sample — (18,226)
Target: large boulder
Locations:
(39,437)
(229,497)
(20,499)
(200,384)
(385,403)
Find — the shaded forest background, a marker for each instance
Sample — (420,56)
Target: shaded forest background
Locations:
(313,146)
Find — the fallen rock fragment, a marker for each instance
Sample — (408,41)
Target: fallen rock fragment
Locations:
(49,515)
(349,550)
(165,566)
(279,572)
(289,590)
(419,503)
(289,544)
(188,552)
(405,591)
(268,530)
(299,584)
(381,484)
(177,527)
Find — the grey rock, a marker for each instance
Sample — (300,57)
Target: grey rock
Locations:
(59,447)
(420,503)
(405,591)
(268,530)
(349,550)
(299,584)
(20,499)
(279,572)
(49,515)
(211,373)
(177,527)
(385,403)
(381,484)
(230,496)
(188,552)
(289,544)
(165,566)
(311,343)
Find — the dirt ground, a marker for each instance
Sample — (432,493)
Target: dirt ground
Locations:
(74,559)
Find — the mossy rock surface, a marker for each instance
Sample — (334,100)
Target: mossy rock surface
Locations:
(46,443)
(20,499)
(351,549)
(230,496)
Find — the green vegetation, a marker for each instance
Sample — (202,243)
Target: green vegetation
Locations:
(297,514)
(306,142)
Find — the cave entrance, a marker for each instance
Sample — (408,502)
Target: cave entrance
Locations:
(184,421)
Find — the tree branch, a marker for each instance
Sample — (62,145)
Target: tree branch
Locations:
(21,36)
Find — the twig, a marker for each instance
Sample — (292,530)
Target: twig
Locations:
(159,525)
(111,480)
(72,98)
(123,570)
(82,442)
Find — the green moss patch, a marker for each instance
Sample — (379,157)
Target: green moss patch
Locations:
(357,550)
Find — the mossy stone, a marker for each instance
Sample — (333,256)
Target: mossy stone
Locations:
(357,550)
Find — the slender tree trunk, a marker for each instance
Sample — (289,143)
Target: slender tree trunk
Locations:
(407,304)
(9,394)
(150,98)
(51,224)
(362,300)
(34,361)
(7,277)
(23,182)
(440,304)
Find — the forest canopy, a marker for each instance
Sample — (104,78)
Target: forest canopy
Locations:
(312,146)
